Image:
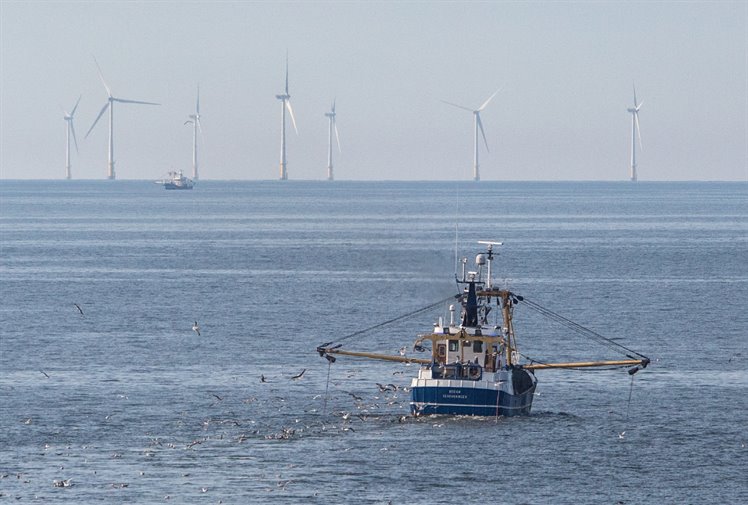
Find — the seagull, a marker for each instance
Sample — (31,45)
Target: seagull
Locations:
(44,373)
(358,398)
(402,351)
(218,397)
(621,435)
(79,308)
(298,375)
(262,378)
(196,328)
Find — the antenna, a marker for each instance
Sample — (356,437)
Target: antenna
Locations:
(489,252)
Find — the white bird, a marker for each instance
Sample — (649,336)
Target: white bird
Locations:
(196,328)
(621,435)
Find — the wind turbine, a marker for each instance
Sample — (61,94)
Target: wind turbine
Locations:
(285,99)
(635,133)
(70,130)
(331,116)
(110,105)
(195,122)
(478,125)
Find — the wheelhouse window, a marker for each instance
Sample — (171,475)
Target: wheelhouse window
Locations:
(453,345)
(478,346)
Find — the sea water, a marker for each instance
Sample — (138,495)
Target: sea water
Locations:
(127,404)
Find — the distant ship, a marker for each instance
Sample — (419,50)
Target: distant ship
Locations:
(475,366)
(176,180)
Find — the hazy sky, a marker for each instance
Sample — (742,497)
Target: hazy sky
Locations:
(565,68)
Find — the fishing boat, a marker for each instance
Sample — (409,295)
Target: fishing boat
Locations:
(176,180)
(475,367)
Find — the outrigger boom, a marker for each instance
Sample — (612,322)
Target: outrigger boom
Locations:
(475,367)
(326,351)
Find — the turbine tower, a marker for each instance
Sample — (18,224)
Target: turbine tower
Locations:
(333,126)
(285,99)
(634,134)
(478,125)
(195,122)
(70,130)
(110,105)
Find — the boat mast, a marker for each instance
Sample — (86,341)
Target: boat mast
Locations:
(506,314)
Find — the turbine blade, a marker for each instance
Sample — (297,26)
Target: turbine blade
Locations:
(480,125)
(76,106)
(286,71)
(337,137)
(455,105)
(489,99)
(639,106)
(333,106)
(197,105)
(103,110)
(638,131)
(101,75)
(290,111)
(72,130)
(122,100)
(200,127)
(634,86)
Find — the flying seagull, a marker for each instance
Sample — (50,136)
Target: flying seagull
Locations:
(79,308)
(196,328)
(299,375)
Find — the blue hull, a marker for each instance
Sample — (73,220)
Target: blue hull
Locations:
(469,401)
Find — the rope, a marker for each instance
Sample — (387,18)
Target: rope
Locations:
(581,330)
(394,320)
(631,390)
(327,387)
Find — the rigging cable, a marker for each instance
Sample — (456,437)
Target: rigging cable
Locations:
(327,386)
(582,330)
(390,321)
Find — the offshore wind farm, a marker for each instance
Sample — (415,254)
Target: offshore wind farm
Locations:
(285,99)
(558,116)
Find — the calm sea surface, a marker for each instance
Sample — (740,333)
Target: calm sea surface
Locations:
(132,406)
